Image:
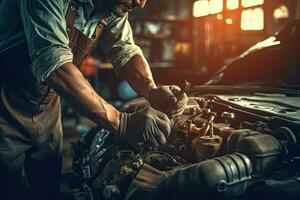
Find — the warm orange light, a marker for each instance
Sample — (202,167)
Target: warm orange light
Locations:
(219,16)
(249,3)
(282,12)
(201,8)
(252,19)
(229,21)
(215,6)
(183,48)
(232,4)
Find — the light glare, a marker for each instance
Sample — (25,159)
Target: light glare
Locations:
(232,4)
(229,21)
(282,12)
(216,6)
(249,3)
(201,8)
(252,19)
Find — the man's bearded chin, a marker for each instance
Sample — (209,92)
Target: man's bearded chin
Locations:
(118,9)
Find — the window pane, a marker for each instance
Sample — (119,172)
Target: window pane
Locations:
(201,8)
(232,4)
(216,6)
(252,19)
(249,3)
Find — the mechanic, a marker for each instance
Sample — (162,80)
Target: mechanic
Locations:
(42,44)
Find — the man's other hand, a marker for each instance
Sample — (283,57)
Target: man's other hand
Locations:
(164,98)
(144,126)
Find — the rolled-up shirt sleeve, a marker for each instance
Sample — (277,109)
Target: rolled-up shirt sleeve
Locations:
(118,39)
(45,29)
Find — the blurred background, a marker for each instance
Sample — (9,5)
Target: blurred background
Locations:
(191,39)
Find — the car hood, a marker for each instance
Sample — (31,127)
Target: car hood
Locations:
(274,62)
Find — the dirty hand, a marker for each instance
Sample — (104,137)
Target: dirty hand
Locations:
(147,125)
(164,98)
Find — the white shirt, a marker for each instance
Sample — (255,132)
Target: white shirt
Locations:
(42,24)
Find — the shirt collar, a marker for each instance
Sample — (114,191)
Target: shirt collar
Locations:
(89,8)
(86,1)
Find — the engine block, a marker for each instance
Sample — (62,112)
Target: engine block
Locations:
(216,150)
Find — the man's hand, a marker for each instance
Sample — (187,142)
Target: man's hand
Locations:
(147,125)
(164,99)
(137,72)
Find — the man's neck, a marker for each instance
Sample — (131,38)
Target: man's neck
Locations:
(99,4)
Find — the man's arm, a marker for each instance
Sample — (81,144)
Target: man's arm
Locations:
(129,62)
(164,98)
(45,29)
(146,125)
(137,72)
(69,83)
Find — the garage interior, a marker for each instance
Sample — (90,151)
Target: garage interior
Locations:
(182,40)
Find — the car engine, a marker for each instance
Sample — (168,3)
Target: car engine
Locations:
(222,147)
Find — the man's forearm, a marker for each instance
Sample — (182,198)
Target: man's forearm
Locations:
(70,84)
(137,72)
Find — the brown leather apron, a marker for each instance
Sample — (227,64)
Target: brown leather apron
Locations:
(30,112)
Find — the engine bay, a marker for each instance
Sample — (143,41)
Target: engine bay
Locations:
(221,147)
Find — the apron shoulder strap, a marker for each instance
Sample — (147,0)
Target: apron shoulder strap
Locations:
(71,17)
(72,13)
